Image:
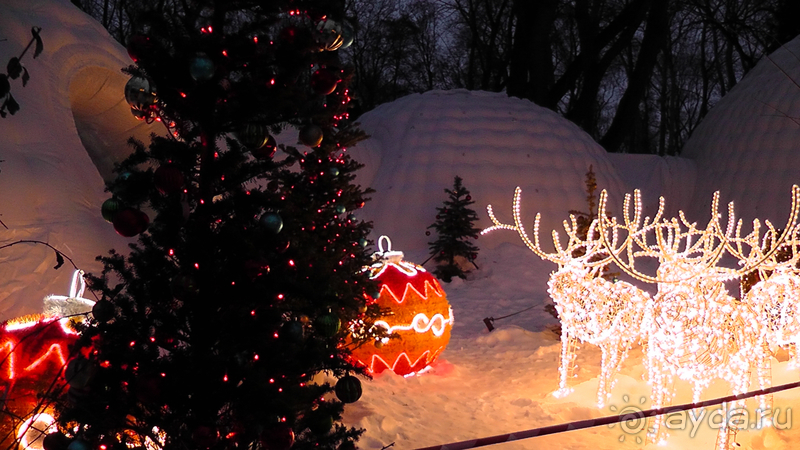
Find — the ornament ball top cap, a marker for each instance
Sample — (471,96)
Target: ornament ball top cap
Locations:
(387,256)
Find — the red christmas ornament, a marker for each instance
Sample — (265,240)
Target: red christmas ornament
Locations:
(205,436)
(267,150)
(280,437)
(324,81)
(139,47)
(130,221)
(33,350)
(168,179)
(420,315)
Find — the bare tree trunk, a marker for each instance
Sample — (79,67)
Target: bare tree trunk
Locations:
(655,36)
(531,72)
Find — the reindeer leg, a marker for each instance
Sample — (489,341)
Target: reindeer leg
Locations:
(567,366)
(764,373)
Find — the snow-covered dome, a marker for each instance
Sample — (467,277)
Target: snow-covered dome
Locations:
(748,147)
(73,124)
(495,143)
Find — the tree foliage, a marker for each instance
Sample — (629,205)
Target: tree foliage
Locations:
(228,321)
(455,229)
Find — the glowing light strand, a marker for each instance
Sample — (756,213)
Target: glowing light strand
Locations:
(422,324)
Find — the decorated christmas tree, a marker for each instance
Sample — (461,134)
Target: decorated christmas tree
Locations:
(455,226)
(226,326)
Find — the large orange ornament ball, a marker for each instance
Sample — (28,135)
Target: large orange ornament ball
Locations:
(420,317)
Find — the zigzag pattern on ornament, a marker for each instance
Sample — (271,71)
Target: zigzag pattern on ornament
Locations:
(407,270)
(421,361)
(421,324)
(12,345)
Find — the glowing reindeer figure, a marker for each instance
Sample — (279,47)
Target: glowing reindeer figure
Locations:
(775,299)
(696,331)
(591,308)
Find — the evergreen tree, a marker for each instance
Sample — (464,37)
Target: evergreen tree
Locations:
(216,330)
(455,226)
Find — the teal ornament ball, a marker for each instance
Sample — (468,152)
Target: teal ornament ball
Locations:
(327,324)
(340,209)
(201,67)
(363,242)
(293,331)
(272,222)
(334,171)
(79,444)
(348,389)
(348,35)
(110,208)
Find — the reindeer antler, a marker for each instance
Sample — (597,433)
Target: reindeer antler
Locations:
(763,250)
(563,254)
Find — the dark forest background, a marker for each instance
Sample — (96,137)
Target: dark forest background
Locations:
(637,75)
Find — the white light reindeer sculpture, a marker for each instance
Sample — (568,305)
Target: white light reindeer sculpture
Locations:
(591,308)
(695,330)
(692,329)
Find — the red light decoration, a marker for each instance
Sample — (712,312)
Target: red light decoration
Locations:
(420,316)
(33,349)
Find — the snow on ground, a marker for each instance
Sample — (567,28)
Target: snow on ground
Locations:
(486,384)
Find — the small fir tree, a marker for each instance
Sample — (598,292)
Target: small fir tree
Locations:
(455,226)
(213,333)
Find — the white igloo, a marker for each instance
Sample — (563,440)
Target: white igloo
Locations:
(748,147)
(73,125)
(495,143)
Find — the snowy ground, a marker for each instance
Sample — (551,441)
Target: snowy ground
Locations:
(495,383)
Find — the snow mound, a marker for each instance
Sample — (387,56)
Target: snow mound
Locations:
(746,147)
(72,126)
(495,143)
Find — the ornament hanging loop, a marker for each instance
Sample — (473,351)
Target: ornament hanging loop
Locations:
(387,256)
(77,279)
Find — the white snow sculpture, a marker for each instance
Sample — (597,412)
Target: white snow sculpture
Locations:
(420,142)
(747,146)
(73,124)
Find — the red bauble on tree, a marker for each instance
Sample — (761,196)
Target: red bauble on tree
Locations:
(420,316)
(34,349)
(324,81)
(168,179)
(139,46)
(267,150)
(130,221)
